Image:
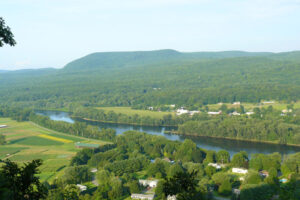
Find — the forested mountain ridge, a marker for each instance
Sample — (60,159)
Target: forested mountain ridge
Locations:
(158,77)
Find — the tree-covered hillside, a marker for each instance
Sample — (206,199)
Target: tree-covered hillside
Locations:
(158,77)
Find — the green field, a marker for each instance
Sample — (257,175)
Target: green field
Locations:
(24,143)
(131,112)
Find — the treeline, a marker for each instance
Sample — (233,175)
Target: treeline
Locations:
(111,116)
(244,128)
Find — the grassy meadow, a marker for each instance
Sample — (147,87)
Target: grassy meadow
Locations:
(27,141)
(129,111)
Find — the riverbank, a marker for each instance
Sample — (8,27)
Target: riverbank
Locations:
(229,138)
(133,124)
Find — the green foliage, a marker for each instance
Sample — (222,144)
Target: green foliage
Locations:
(225,188)
(6,36)
(77,174)
(129,79)
(257,192)
(240,159)
(183,185)
(223,157)
(252,178)
(20,183)
(291,164)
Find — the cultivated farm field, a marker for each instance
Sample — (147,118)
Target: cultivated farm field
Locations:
(27,141)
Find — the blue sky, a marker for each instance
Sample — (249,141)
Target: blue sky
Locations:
(50,33)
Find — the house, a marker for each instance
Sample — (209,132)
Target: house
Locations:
(150,108)
(237,103)
(268,102)
(215,165)
(172,105)
(3,126)
(142,196)
(264,173)
(182,111)
(287,111)
(215,113)
(150,183)
(239,170)
(235,113)
(94,170)
(250,113)
(173,197)
(86,145)
(236,191)
(81,187)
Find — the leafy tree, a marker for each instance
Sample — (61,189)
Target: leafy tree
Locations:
(21,183)
(223,156)
(210,170)
(183,185)
(240,159)
(252,178)
(225,188)
(6,36)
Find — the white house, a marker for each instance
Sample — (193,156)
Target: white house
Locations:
(236,103)
(215,165)
(239,170)
(3,126)
(81,187)
(94,170)
(268,102)
(173,197)
(142,196)
(236,113)
(250,113)
(182,111)
(150,183)
(172,105)
(150,108)
(214,113)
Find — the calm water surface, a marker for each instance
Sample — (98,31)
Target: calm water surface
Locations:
(232,146)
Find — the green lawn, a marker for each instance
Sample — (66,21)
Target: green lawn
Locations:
(131,112)
(24,144)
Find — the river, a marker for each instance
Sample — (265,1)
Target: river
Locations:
(232,146)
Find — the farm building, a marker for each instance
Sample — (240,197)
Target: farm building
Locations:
(3,126)
(143,196)
(86,145)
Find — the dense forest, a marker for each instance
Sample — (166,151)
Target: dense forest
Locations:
(156,78)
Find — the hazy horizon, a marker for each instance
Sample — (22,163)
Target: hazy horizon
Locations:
(52,33)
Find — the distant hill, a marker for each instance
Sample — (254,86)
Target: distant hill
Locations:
(123,59)
(146,78)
